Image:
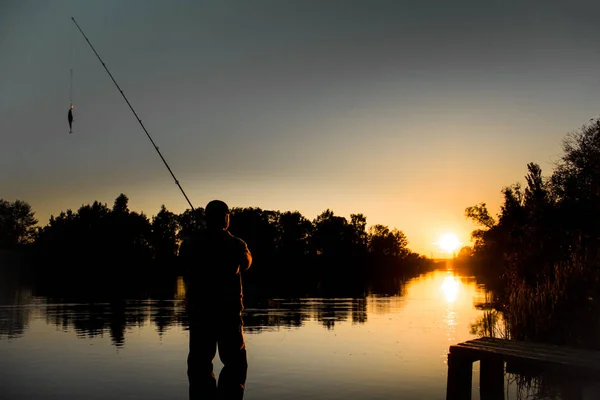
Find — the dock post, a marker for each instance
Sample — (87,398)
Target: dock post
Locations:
(460,374)
(491,379)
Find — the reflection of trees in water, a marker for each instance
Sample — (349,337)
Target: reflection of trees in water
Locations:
(165,314)
(14,321)
(552,387)
(115,318)
(333,310)
(359,311)
(492,322)
(96,313)
(97,320)
(93,320)
(390,286)
(294,314)
(15,297)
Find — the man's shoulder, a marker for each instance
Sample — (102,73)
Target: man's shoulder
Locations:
(217,239)
(238,241)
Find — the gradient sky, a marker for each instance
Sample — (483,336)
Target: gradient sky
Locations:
(405,111)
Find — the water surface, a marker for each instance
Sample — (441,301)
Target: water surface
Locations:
(369,347)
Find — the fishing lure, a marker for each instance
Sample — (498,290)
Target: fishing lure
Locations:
(70,117)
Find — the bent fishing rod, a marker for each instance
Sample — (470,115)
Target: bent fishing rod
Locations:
(135,114)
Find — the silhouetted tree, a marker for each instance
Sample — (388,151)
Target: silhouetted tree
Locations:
(121,205)
(294,237)
(165,226)
(258,229)
(545,245)
(359,234)
(386,243)
(465,253)
(95,242)
(331,237)
(98,245)
(190,222)
(17,224)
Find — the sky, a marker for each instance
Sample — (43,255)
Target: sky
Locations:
(405,111)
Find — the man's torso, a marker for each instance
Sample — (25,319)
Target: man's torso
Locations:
(212,271)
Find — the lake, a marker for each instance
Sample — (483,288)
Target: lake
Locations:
(372,347)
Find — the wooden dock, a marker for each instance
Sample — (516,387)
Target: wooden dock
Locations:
(520,357)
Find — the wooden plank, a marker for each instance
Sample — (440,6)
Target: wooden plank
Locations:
(542,347)
(566,361)
(588,355)
(559,358)
(518,355)
(545,365)
(550,348)
(521,343)
(527,346)
(525,354)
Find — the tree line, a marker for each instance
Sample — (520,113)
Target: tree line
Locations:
(98,242)
(542,249)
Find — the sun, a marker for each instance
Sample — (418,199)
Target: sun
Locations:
(449,242)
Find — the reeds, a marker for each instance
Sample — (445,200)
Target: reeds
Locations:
(558,308)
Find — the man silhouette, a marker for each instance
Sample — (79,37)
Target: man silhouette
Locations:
(213,260)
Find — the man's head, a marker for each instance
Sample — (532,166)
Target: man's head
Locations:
(217,215)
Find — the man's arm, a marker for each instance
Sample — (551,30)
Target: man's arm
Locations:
(246,260)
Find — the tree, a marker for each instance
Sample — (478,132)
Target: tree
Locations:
(165,226)
(465,253)
(258,229)
(480,214)
(387,244)
(577,175)
(120,205)
(17,224)
(96,242)
(359,235)
(332,237)
(294,235)
(190,222)
(575,184)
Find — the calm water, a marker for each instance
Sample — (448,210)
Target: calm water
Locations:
(375,347)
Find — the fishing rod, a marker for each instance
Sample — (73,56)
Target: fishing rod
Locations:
(135,114)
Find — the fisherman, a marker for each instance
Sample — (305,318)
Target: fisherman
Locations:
(213,260)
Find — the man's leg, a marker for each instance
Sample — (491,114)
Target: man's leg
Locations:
(232,351)
(203,347)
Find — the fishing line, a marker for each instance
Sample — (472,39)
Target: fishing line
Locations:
(135,114)
(73,32)
(71,104)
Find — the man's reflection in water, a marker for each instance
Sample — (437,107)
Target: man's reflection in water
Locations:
(214,260)
(227,333)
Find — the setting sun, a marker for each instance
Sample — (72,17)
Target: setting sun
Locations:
(448,242)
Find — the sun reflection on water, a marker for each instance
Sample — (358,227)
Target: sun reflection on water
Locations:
(450,288)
